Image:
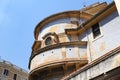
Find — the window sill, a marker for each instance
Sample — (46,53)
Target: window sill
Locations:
(94,39)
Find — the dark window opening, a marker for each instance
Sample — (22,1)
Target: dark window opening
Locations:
(15,77)
(6,72)
(48,41)
(96,30)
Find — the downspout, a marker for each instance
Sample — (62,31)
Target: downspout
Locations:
(90,56)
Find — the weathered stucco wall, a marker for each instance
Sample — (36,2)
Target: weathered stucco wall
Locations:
(101,68)
(46,57)
(59,55)
(58,26)
(107,41)
(109,38)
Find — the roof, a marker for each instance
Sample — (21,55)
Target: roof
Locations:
(86,12)
(96,18)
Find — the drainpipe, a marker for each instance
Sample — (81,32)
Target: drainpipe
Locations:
(88,43)
(90,56)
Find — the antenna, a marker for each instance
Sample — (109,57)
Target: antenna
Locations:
(84,3)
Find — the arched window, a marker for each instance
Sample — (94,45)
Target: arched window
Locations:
(48,41)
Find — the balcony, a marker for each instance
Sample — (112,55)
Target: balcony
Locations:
(62,53)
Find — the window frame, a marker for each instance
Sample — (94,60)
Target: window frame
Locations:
(96,30)
(100,35)
(53,36)
(48,41)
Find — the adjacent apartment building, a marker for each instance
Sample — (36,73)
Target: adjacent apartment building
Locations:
(78,45)
(9,71)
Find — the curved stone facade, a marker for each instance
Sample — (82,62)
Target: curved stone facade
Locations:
(55,53)
(58,54)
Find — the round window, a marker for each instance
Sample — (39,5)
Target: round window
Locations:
(48,41)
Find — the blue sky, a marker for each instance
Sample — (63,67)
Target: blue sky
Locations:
(18,19)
